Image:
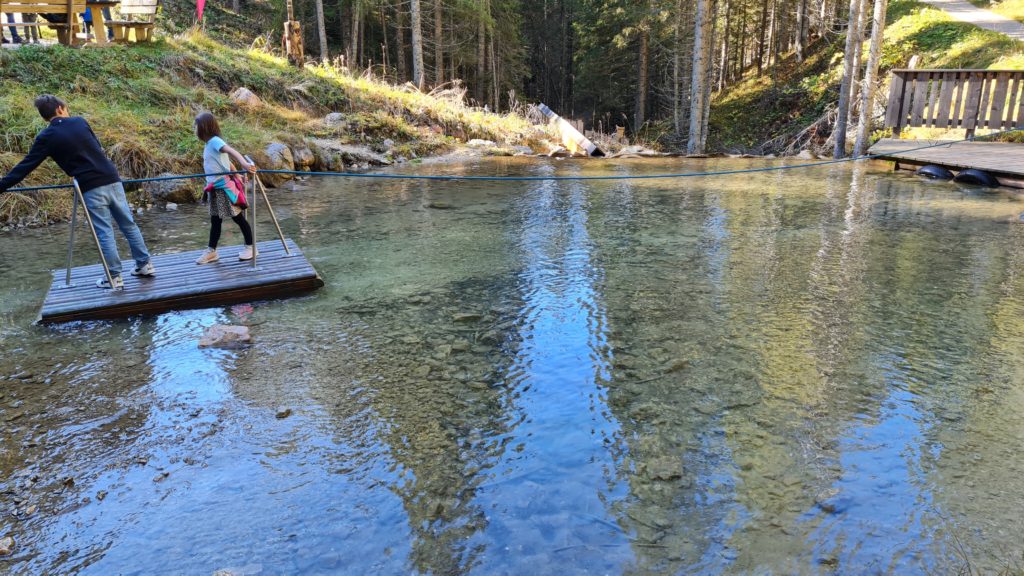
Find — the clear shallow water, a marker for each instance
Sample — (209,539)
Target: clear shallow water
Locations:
(810,372)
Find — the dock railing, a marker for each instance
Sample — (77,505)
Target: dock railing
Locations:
(963,99)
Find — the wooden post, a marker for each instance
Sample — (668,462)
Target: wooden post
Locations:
(293,39)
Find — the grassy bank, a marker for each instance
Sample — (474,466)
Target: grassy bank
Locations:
(774,110)
(141,101)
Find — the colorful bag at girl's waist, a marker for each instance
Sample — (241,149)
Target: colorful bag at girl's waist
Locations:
(233,186)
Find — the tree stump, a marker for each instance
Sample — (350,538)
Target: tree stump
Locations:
(293,43)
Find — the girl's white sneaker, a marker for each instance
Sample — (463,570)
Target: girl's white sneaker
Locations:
(209,256)
(247,253)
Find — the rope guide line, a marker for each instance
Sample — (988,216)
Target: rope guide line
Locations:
(547,178)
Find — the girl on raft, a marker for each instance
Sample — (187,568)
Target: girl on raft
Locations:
(221,193)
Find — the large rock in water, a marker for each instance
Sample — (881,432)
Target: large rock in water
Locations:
(245,97)
(302,156)
(325,157)
(275,156)
(349,153)
(181,191)
(224,336)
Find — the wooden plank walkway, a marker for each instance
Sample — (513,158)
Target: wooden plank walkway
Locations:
(181,283)
(1005,161)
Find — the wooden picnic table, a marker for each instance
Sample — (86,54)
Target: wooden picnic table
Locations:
(99,26)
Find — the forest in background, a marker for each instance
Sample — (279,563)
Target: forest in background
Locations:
(650,66)
(765,80)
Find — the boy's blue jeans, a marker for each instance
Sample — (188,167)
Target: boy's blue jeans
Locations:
(106,203)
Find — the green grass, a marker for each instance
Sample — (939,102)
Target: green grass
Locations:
(141,100)
(759,110)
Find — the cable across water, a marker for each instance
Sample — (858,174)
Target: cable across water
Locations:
(454,177)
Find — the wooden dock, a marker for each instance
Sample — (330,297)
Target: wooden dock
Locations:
(181,283)
(1005,161)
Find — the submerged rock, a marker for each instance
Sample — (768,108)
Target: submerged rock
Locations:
(222,336)
(6,546)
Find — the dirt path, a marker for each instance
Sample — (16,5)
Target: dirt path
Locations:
(967,12)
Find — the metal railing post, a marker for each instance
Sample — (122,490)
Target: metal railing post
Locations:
(71,241)
(88,218)
(253,225)
(273,216)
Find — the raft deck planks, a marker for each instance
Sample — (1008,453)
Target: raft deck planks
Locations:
(181,283)
(1005,161)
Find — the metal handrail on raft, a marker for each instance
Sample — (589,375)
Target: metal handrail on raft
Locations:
(79,198)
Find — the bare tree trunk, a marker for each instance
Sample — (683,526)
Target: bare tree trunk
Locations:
(700,80)
(438,44)
(417,45)
(708,73)
(870,78)
(452,63)
(761,38)
(342,33)
(361,54)
(236,6)
(801,29)
(641,86)
(322,29)
(385,49)
(741,62)
(724,63)
(481,58)
(844,88)
(495,97)
(857,60)
(357,28)
(677,64)
(403,73)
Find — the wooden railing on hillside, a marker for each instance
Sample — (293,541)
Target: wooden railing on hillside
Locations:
(965,99)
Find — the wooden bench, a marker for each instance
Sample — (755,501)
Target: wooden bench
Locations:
(965,99)
(138,15)
(69,8)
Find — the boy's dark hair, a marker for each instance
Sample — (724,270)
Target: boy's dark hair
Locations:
(206,126)
(47,105)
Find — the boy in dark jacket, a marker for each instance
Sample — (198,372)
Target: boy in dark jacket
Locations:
(73,146)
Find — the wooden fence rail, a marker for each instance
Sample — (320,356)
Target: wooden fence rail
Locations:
(965,99)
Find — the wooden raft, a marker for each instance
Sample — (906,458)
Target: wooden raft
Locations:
(1005,161)
(181,283)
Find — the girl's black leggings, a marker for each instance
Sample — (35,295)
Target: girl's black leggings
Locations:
(243,224)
